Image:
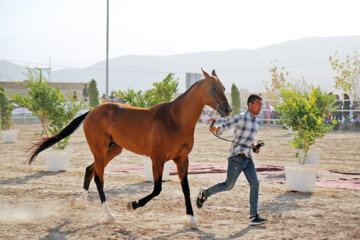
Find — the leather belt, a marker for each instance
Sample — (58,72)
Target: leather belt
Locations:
(240,154)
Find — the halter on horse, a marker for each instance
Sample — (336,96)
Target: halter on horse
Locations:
(166,130)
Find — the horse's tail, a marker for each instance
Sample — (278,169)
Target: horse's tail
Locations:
(49,141)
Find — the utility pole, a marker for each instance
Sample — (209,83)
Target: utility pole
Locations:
(49,73)
(107,50)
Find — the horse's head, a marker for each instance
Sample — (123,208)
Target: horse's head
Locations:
(214,96)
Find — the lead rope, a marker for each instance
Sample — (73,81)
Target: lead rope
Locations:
(259,144)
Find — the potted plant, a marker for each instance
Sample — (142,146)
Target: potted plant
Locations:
(6,107)
(304,112)
(54,112)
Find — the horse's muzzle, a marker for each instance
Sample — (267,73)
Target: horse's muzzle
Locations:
(224,109)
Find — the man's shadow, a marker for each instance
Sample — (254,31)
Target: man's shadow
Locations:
(283,203)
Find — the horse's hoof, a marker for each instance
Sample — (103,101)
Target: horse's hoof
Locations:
(77,203)
(192,223)
(111,219)
(129,206)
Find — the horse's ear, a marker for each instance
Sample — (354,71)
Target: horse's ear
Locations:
(206,75)
(214,73)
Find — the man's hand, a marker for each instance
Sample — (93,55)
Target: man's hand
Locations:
(254,147)
(214,129)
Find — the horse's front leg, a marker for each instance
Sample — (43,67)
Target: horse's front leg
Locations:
(157,167)
(182,165)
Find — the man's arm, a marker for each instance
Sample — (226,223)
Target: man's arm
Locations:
(226,124)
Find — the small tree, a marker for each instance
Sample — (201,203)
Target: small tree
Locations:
(305,113)
(49,105)
(133,98)
(163,91)
(93,94)
(6,108)
(235,100)
(348,74)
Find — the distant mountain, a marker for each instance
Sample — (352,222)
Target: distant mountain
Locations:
(303,58)
(11,72)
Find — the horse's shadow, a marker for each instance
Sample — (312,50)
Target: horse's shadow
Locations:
(25,179)
(207,235)
(56,233)
(283,202)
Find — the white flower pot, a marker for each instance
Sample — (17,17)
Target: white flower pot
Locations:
(10,136)
(148,174)
(300,177)
(57,160)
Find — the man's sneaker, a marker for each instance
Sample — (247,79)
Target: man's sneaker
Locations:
(201,198)
(256,220)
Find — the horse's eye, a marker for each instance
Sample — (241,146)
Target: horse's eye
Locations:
(214,88)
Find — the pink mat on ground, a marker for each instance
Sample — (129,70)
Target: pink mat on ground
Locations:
(267,173)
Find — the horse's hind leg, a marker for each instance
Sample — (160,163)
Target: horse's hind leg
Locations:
(112,152)
(89,174)
(157,167)
(100,164)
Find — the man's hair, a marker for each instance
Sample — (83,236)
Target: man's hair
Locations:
(252,98)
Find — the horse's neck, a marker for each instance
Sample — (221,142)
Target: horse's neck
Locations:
(189,108)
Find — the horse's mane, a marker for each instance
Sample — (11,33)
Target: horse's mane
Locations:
(187,91)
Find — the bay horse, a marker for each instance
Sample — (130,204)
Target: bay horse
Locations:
(163,132)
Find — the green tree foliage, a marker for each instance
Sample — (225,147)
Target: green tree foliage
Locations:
(6,108)
(235,100)
(348,74)
(49,105)
(305,113)
(93,94)
(163,91)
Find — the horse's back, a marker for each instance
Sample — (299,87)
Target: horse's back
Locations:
(137,129)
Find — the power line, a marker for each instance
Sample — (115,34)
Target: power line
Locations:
(159,72)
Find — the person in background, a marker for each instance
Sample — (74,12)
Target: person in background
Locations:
(337,115)
(355,107)
(75,97)
(111,97)
(103,98)
(268,112)
(347,122)
(346,106)
(85,93)
(356,123)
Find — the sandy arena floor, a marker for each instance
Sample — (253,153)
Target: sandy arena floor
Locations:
(35,204)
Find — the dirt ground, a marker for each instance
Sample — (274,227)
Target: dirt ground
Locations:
(35,204)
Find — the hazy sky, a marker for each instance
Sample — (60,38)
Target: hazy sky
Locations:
(73,32)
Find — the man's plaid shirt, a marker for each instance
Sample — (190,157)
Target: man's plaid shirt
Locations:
(245,130)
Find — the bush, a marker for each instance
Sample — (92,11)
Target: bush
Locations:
(6,108)
(93,94)
(305,113)
(49,105)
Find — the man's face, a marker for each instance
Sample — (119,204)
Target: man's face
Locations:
(255,107)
